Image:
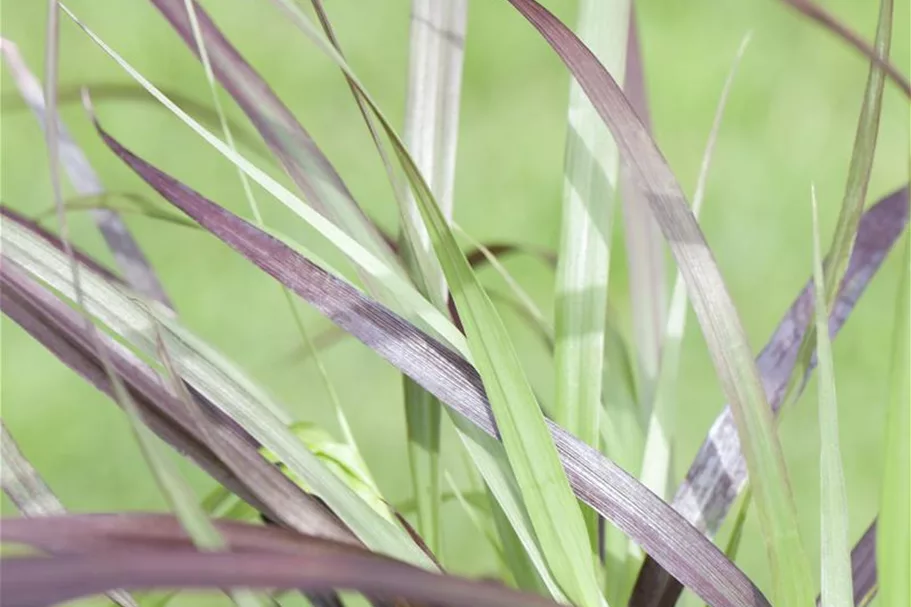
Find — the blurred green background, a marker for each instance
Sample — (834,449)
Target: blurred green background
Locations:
(790,121)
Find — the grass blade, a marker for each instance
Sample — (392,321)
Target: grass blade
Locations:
(852,204)
(307,166)
(863,568)
(657,460)
(596,480)
(893,540)
(644,243)
(130,260)
(431,129)
(33,498)
(406,298)
(60,329)
(711,301)
(213,376)
(817,13)
(352,455)
(591,164)
(131,550)
(834,551)
(718,473)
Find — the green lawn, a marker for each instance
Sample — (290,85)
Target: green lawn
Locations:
(790,122)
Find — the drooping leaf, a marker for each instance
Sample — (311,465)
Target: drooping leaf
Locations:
(657,459)
(316,566)
(718,473)
(450,378)
(60,329)
(217,379)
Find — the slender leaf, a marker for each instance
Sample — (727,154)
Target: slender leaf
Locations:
(858,179)
(835,554)
(307,166)
(893,541)
(711,302)
(644,243)
(59,328)
(127,254)
(406,297)
(450,378)
(718,473)
(490,460)
(34,582)
(213,376)
(657,460)
(590,174)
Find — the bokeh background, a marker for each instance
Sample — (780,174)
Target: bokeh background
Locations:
(790,122)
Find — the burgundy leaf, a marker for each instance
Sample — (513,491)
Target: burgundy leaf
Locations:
(595,479)
(148,551)
(235,462)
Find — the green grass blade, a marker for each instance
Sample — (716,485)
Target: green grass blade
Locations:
(293,146)
(554,521)
(893,535)
(257,214)
(431,131)
(834,550)
(657,460)
(713,305)
(852,204)
(529,447)
(410,302)
(591,166)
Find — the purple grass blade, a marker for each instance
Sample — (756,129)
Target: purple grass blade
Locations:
(304,162)
(62,331)
(94,553)
(644,243)
(129,258)
(596,480)
(24,486)
(817,13)
(718,473)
